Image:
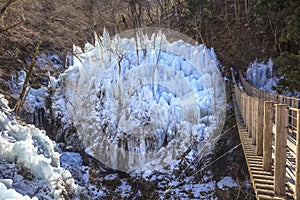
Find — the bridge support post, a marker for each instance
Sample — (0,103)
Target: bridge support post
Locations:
(281,121)
(259,127)
(297,182)
(267,135)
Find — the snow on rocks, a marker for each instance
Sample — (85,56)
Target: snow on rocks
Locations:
(29,157)
(12,194)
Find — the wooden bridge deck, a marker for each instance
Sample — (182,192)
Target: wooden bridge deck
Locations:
(262,181)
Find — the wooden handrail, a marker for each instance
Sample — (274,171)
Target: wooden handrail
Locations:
(268,96)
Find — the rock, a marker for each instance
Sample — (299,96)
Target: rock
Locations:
(111,181)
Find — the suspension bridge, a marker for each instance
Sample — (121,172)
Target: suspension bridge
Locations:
(269,130)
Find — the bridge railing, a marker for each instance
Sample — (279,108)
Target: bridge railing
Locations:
(268,96)
(273,123)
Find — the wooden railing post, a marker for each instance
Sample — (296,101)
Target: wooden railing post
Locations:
(281,99)
(249,115)
(246,110)
(237,91)
(297,181)
(273,97)
(244,107)
(268,96)
(294,100)
(281,121)
(236,95)
(287,100)
(259,127)
(267,135)
(254,105)
(265,94)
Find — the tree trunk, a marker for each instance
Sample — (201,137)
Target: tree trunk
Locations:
(23,94)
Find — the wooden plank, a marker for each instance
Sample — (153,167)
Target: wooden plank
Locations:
(264,181)
(255,157)
(258,168)
(256,161)
(281,121)
(259,176)
(265,192)
(267,135)
(262,173)
(264,186)
(255,165)
(267,197)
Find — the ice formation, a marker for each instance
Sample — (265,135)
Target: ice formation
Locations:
(35,98)
(140,102)
(261,76)
(36,95)
(29,148)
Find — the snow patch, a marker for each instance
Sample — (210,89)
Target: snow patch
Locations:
(226,182)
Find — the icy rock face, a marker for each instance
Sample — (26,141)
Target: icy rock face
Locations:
(140,102)
(30,148)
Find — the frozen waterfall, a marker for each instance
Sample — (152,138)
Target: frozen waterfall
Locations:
(139,101)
